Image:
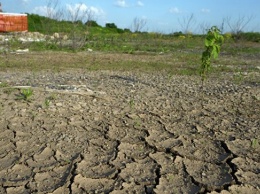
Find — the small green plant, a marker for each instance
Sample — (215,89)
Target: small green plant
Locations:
(47,102)
(33,115)
(213,42)
(137,123)
(238,77)
(4,85)
(26,94)
(131,103)
(53,96)
(170,76)
(48,99)
(254,143)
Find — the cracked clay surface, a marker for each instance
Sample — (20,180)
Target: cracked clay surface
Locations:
(120,132)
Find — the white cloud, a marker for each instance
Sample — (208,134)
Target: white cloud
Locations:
(44,11)
(77,10)
(81,10)
(25,2)
(140,4)
(121,3)
(74,9)
(205,10)
(97,11)
(175,10)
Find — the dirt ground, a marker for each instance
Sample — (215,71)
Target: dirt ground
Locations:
(125,132)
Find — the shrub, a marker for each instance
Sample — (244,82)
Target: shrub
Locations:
(212,44)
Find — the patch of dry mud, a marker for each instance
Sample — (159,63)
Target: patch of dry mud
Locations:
(114,132)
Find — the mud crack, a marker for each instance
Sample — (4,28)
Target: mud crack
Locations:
(230,164)
(203,188)
(73,167)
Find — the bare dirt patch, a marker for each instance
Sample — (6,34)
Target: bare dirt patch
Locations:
(124,132)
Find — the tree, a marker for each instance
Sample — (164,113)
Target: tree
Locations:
(239,25)
(204,27)
(186,23)
(138,24)
(92,23)
(78,15)
(111,25)
(53,10)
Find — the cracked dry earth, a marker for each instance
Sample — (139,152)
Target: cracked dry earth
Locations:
(123,132)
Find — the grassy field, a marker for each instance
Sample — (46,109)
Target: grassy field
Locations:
(102,48)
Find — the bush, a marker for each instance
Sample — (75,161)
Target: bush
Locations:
(250,36)
(111,25)
(92,23)
(178,33)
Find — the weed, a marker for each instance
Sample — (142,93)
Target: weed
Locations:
(47,102)
(238,77)
(131,51)
(4,84)
(53,96)
(25,94)
(254,143)
(66,161)
(212,45)
(33,115)
(137,123)
(131,103)
(170,76)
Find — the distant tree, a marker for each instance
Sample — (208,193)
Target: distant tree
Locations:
(239,25)
(177,33)
(53,10)
(92,23)
(119,30)
(222,25)
(79,32)
(186,23)
(111,25)
(138,24)
(78,22)
(204,27)
(127,30)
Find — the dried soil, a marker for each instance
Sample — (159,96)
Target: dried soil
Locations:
(125,132)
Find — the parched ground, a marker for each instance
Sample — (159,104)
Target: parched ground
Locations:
(122,132)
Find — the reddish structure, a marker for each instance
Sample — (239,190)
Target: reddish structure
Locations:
(12,22)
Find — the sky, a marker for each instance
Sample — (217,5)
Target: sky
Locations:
(164,16)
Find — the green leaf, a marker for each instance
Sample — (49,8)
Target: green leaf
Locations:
(212,43)
(209,41)
(214,51)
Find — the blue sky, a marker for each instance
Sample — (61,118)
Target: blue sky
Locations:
(160,15)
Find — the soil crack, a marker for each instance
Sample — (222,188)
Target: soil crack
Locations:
(73,167)
(230,164)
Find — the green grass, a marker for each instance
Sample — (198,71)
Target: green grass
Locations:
(145,58)
(25,94)
(115,49)
(4,84)
(254,143)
